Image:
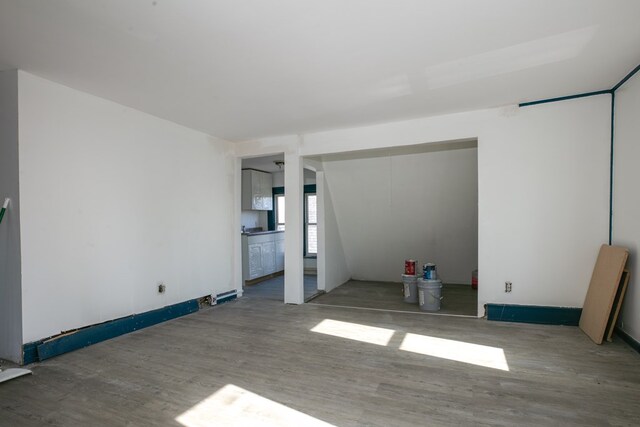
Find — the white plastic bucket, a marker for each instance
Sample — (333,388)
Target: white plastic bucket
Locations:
(429,294)
(410,288)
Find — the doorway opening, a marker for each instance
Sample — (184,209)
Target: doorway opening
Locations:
(264,226)
(310,235)
(414,202)
(262,220)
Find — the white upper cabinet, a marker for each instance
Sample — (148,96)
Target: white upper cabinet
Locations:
(257,190)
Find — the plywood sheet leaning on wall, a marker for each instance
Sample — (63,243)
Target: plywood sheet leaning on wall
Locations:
(617,305)
(602,291)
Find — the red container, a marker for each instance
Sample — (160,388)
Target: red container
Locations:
(474,279)
(410,267)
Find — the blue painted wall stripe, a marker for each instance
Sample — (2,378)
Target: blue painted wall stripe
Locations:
(613,108)
(611,91)
(45,349)
(627,77)
(565,98)
(308,188)
(534,314)
(271,215)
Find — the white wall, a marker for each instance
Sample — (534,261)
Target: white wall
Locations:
(113,202)
(333,270)
(421,205)
(253,219)
(10,280)
(278,179)
(543,191)
(626,207)
(543,201)
(309,177)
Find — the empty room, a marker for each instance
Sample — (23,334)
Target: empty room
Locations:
(319,213)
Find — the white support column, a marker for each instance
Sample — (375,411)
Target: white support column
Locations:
(237,225)
(321,236)
(293,257)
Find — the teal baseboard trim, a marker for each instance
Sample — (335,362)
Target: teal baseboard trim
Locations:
(50,347)
(628,339)
(226,297)
(539,314)
(30,352)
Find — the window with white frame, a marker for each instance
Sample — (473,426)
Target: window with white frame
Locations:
(311,224)
(280,212)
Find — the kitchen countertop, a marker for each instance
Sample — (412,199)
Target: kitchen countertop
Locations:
(258,233)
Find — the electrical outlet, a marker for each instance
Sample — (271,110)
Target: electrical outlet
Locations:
(161,288)
(507,286)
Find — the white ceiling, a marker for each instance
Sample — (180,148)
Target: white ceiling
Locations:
(405,150)
(240,69)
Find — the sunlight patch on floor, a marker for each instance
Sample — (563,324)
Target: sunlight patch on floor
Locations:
(235,406)
(459,351)
(354,331)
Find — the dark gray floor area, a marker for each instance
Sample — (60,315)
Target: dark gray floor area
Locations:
(256,362)
(456,299)
(273,289)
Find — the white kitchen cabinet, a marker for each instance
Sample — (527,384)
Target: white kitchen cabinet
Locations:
(268,257)
(255,261)
(262,254)
(280,252)
(257,190)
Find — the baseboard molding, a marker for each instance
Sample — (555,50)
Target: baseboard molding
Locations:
(73,340)
(538,314)
(226,297)
(628,339)
(30,352)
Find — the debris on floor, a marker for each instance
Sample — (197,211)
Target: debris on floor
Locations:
(11,373)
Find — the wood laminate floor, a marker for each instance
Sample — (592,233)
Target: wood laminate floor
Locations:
(273,289)
(456,299)
(255,362)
